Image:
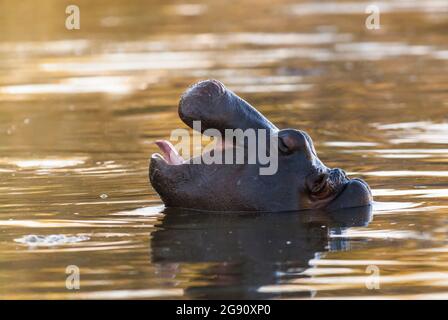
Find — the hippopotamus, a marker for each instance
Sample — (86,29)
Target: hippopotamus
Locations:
(300,182)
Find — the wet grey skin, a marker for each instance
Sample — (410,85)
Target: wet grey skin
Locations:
(301,182)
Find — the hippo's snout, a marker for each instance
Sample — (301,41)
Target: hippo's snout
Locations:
(198,103)
(204,91)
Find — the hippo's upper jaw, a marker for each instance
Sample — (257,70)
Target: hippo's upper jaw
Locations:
(300,182)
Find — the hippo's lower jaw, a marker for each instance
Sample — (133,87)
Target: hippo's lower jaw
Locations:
(301,181)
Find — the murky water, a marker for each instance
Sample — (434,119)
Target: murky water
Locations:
(79,110)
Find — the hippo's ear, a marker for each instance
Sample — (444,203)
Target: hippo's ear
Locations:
(216,107)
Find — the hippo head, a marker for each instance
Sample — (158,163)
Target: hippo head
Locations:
(300,181)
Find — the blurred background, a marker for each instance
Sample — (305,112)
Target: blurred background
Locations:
(79,110)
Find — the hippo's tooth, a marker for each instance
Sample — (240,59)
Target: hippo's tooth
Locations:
(170,153)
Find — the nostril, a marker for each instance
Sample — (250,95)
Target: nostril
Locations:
(198,101)
(207,89)
(203,93)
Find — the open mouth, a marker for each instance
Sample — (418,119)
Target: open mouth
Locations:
(171,156)
(169,153)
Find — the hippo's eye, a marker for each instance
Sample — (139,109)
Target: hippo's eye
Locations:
(283,147)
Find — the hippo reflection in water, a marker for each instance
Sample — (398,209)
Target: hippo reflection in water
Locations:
(301,181)
(244,256)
